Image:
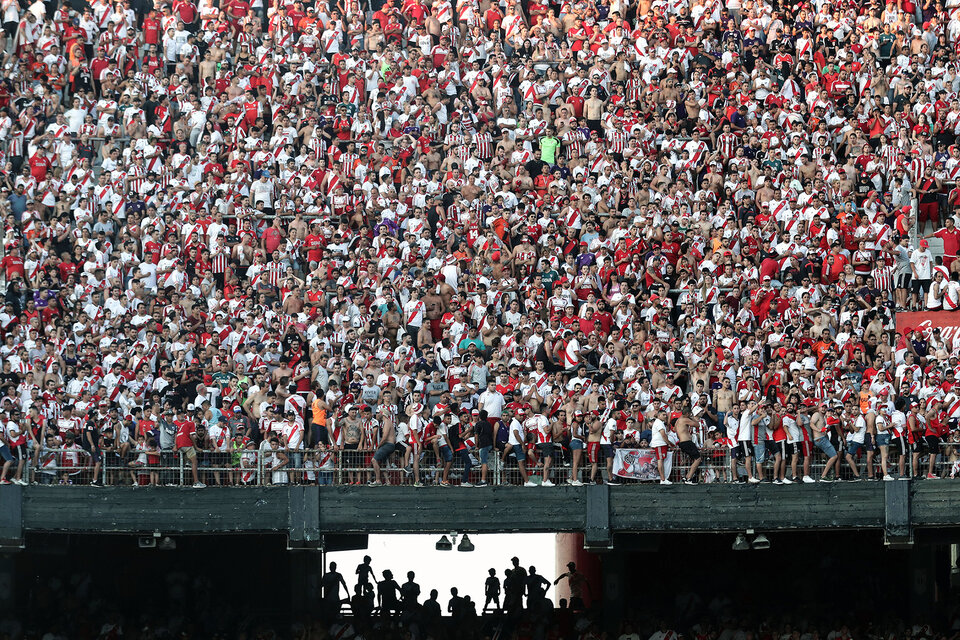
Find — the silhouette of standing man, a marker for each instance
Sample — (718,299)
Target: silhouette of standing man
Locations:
(364,575)
(410,594)
(330,584)
(388,592)
(491,589)
(537,587)
(576,582)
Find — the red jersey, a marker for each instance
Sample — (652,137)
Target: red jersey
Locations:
(185,429)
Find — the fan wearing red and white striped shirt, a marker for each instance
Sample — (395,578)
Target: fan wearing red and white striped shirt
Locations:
(483,142)
(727,143)
(617,139)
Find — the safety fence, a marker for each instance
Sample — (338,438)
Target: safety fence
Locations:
(443,467)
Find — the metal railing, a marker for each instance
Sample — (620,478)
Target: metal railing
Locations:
(336,466)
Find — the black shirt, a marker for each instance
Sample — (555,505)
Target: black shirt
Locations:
(484,432)
(535,167)
(90,433)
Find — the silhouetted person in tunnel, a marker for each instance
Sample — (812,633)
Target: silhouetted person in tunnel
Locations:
(330,584)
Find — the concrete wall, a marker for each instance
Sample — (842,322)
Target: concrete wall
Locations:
(307,513)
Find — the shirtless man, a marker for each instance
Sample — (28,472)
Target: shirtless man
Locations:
(352,441)
(702,373)
(821,438)
(386,445)
(594,435)
(576,448)
(576,581)
(391,321)
(724,397)
(364,574)
(293,304)
(807,168)
(434,311)
(471,190)
(525,257)
(684,426)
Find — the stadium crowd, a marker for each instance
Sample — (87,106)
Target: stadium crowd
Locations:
(312,234)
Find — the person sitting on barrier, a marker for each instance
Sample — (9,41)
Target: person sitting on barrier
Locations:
(577,442)
(413,440)
(537,425)
(856,430)
(277,461)
(936,432)
(442,445)
(660,444)
(516,445)
(385,443)
(684,425)
(595,450)
(186,442)
(249,473)
(466,443)
(352,443)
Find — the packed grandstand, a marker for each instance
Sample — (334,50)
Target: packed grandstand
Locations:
(479,243)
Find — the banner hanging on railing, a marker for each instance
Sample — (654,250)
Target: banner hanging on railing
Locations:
(640,464)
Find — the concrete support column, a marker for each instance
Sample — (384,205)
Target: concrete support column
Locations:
(306,571)
(570,549)
(929,582)
(614,587)
(8,592)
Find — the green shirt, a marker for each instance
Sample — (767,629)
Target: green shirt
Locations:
(886,41)
(549,277)
(466,342)
(222,379)
(773,163)
(548,149)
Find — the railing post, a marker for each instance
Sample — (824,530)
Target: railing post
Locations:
(339,455)
(180,456)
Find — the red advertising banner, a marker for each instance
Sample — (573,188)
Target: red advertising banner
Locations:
(927,321)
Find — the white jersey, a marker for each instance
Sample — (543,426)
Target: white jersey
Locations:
(792,428)
(658,434)
(538,425)
(859,431)
(609,429)
(220,436)
(516,427)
